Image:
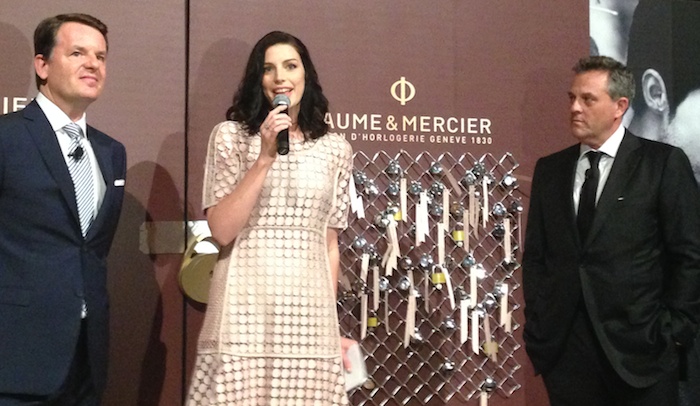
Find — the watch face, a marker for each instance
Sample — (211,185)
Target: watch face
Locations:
(449,324)
(468,261)
(435,209)
(489,384)
(415,188)
(457,210)
(469,179)
(417,337)
(404,283)
(393,189)
(360,177)
(406,263)
(436,189)
(359,242)
(489,301)
(384,285)
(371,188)
(435,168)
(515,207)
(425,262)
(509,181)
(381,221)
(447,366)
(479,170)
(393,169)
(499,231)
(499,210)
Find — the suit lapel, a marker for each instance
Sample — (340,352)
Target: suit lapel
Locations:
(568,176)
(622,171)
(559,194)
(44,137)
(103,154)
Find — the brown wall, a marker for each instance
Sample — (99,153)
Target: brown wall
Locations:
(508,62)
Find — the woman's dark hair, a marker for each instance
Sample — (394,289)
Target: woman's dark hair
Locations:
(250,106)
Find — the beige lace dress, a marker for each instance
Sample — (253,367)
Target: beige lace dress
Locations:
(270,334)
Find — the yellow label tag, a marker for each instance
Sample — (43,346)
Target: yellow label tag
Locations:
(372,322)
(490,348)
(438,277)
(458,235)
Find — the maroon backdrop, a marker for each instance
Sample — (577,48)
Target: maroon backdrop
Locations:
(501,61)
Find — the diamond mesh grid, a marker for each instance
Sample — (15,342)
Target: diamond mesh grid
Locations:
(435,369)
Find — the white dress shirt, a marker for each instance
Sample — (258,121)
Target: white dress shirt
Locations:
(58,119)
(609,150)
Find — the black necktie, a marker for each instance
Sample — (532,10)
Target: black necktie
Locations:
(586,204)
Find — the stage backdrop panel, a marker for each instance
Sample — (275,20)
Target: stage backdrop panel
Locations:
(476,77)
(459,76)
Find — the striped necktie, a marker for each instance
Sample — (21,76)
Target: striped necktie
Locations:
(81,172)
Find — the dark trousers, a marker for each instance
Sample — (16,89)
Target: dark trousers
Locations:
(583,376)
(77,390)
(690,387)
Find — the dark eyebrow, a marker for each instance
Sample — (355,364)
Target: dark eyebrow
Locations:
(83,49)
(283,62)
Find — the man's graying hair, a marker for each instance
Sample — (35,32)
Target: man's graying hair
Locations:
(620,79)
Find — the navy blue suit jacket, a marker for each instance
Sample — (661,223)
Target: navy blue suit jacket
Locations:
(638,272)
(47,269)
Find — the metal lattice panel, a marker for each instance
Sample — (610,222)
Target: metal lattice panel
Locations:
(434,368)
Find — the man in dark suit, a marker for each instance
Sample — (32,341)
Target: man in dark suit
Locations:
(61,190)
(611,267)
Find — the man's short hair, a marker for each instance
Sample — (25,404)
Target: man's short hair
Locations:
(620,79)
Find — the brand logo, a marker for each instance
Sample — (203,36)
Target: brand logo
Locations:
(410,128)
(10,104)
(406,91)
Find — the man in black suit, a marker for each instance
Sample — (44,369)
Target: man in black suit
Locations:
(611,267)
(61,190)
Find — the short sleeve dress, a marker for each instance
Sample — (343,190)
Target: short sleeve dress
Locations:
(271,334)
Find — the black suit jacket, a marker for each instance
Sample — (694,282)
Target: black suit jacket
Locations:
(47,269)
(638,272)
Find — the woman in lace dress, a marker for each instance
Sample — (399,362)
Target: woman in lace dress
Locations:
(271,333)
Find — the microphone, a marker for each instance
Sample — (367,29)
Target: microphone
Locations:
(283,136)
(77,153)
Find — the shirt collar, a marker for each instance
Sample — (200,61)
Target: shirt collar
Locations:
(57,118)
(610,146)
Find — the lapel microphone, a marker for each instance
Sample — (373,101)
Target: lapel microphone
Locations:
(77,153)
